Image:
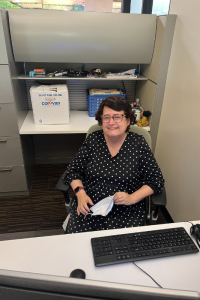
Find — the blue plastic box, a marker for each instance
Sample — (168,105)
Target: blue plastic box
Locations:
(94,101)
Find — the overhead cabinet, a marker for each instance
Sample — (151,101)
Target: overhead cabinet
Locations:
(81,37)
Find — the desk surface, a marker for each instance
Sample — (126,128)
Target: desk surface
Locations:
(59,255)
(80,122)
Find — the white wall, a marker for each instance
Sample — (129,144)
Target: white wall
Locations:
(178,143)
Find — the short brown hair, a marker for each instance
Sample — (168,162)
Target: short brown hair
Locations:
(116,103)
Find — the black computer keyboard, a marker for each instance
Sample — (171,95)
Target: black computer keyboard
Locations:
(129,247)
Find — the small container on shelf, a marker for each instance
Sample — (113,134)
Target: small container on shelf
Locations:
(93,101)
(137,109)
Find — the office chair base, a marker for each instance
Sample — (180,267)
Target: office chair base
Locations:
(153,218)
(68,205)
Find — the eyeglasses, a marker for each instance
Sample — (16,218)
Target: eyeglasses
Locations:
(116,118)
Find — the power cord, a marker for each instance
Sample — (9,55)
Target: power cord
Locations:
(189,222)
(148,275)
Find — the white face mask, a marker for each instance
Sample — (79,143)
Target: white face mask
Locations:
(103,207)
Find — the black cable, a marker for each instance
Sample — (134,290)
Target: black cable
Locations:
(147,275)
(189,222)
(198,242)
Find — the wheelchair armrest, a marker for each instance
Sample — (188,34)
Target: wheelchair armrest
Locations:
(62,187)
(159,199)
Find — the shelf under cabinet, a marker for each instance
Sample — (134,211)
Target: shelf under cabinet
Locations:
(80,122)
(26,77)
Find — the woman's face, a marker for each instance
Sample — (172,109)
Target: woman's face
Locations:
(114,128)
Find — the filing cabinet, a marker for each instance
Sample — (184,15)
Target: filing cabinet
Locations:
(8,120)
(6,95)
(12,171)
(12,178)
(10,151)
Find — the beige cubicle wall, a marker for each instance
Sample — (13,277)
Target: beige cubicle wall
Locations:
(178,144)
(151,92)
(151,70)
(146,90)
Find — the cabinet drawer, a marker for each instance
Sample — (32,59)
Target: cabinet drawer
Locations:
(8,121)
(6,94)
(12,178)
(10,151)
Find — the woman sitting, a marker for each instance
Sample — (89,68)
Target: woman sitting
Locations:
(112,161)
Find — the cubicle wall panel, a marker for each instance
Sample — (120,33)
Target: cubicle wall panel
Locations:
(6,94)
(162,75)
(78,90)
(12,178)
(3,56)
(10,151)
(67,36)
(8,121)
(151,70)
(28,156)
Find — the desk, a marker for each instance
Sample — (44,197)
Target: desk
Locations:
(80,122)
(59,255)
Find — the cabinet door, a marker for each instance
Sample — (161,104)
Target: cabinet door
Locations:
(8,121)
(6,95)
(10,151)
(12,178)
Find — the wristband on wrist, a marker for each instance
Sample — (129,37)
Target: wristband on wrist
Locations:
(77,189)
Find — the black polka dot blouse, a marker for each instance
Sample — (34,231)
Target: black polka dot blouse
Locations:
(103,175)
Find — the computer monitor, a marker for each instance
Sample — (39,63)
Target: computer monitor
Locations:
(22,286)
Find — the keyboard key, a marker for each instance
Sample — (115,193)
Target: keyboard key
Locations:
(135,249)
(194,247)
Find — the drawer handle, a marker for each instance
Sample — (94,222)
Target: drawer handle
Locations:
(3,140)
(4,169)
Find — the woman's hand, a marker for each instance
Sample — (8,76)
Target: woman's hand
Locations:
(83,200)
(122,198)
